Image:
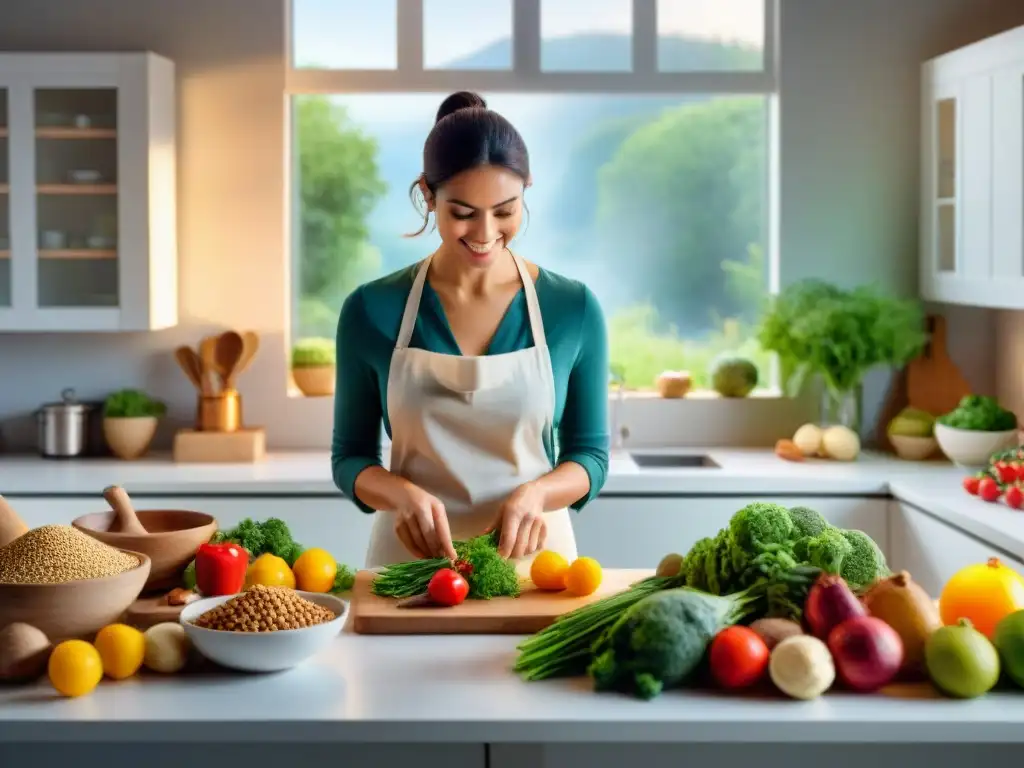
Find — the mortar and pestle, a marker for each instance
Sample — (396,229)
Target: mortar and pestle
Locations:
(169,537)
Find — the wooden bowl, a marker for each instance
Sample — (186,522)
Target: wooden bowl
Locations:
(171,541)
(74,609)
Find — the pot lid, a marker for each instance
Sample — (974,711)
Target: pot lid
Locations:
(68,403)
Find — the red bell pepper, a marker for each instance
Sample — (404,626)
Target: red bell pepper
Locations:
(220,569)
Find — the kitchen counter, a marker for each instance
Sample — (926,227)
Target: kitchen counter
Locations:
(458,689)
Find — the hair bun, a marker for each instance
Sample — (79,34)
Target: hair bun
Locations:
(457,101)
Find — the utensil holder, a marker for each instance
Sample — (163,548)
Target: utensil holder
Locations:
(219,413)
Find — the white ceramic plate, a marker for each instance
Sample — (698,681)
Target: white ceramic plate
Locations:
(263,651)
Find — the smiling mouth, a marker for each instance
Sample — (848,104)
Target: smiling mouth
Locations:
(481,249)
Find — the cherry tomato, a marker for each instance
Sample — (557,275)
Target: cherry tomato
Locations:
(1014,497)
(971,484)
(739,657)
(988,489)
(1007,474)
(447,587)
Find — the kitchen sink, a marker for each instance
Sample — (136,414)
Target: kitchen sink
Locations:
(673,461)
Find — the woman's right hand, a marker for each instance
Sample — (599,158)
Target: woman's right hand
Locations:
(422,524)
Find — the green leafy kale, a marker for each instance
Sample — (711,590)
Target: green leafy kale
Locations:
(979,413)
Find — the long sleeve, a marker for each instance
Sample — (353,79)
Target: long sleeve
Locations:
(356,443)
(583,432)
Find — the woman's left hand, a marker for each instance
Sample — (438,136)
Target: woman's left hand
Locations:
(521,522)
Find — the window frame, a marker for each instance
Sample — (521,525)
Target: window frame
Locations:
(525,76)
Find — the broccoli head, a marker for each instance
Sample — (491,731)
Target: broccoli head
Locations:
(865,564)
(272,535)
(807,522)
(695,563)
(760,524)
(828,550)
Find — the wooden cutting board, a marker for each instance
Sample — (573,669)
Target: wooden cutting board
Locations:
(934,383)
(530,612)
(148,611)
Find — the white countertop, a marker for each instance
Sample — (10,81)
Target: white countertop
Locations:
(372,689)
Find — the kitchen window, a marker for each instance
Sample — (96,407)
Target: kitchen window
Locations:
(649,125)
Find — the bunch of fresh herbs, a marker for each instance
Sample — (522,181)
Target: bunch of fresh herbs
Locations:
(132,403)
(817,328)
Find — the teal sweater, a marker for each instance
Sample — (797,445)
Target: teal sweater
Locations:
(577,341)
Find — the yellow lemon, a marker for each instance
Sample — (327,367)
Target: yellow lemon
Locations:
(75,668)
(548,570)
(270,571)
(584,576)
(122,649)
(315,570)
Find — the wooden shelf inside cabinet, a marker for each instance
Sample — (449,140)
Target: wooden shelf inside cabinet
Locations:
(77,253)
(3,131)
(5,254)
(76,133)
(77,189)
(4,189)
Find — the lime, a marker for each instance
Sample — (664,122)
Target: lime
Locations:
(961,661)
(1009,641)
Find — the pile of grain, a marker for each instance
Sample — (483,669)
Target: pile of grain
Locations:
(264,609)
(53,554)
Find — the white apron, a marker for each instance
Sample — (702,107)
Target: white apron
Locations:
(469,430)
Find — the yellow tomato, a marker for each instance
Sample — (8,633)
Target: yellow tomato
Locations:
(315,570)
(75,668)
(548,570)
(122,649)
(983,594)
(583,577)
(270,571)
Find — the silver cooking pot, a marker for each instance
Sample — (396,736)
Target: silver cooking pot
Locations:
(64,427)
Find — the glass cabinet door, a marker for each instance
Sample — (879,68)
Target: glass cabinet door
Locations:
(5,203)
(946,234)
(76,167)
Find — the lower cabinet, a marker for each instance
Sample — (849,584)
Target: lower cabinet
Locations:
(637,532)
(931,550)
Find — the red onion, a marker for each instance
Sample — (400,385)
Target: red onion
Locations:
(830,603)
(867,652)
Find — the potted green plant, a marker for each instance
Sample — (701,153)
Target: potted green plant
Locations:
(838,335)
(313,364)
(130,419)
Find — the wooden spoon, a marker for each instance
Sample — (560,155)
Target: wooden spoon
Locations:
(11,526)
(251,345)
(228,353)
(126,521)
(190,364)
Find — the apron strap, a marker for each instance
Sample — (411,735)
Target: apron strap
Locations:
(412,304)
(532,304)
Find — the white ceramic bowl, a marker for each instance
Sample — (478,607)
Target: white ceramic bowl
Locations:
(911,448)
(263,651)
(972,449)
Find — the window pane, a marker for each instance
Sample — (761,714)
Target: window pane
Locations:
(657,203)
(344,34)
(710,35)
(446,44)
(586,35)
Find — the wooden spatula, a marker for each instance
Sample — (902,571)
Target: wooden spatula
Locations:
(190,364)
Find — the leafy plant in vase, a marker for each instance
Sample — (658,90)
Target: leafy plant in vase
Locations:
(313,365)
(130,418)
(835,335)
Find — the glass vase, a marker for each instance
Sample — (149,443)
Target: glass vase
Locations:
(842,408)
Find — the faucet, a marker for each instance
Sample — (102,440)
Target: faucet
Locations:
(617,378)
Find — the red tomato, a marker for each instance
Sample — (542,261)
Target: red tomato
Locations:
(447,587)
(971,484)
(739,657)
(1014,497)
(1007,474)
(988,489)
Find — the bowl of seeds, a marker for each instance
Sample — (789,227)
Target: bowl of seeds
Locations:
(264,629)
(67,584)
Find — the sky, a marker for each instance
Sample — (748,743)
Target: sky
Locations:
(360,33)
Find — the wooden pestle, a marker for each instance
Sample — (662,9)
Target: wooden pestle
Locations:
(125,520)
(11,526)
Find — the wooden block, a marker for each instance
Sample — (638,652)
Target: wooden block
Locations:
(530,612)
(244,446)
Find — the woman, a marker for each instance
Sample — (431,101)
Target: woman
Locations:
(475,359)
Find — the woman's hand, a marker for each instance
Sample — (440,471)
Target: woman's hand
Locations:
(422,524)
(521,520)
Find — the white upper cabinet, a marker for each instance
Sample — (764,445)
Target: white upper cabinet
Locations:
(87,192)
(972,174)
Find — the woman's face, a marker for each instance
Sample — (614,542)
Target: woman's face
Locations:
(478,213)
